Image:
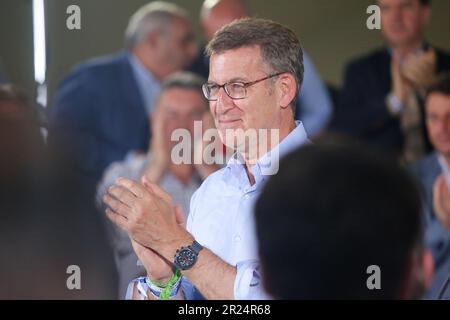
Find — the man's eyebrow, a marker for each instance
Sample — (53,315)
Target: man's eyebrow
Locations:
(236,79)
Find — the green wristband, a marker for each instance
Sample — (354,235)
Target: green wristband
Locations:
(167,291)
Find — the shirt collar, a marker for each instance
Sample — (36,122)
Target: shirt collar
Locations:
(424,47)
(268,165)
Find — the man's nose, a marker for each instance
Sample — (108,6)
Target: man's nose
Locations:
(224,102)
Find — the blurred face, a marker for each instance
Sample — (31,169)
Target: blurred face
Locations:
(178,47)
(259,109)
(219,17)
(180,108)
(438,121)
(403,21)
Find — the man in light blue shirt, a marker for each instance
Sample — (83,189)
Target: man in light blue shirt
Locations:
(256,72)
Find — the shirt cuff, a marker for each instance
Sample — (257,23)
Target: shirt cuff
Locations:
(248,284)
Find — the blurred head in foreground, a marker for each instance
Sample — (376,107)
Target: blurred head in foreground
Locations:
(46,226)
(337,223)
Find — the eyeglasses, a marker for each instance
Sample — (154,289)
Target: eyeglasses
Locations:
(235,90)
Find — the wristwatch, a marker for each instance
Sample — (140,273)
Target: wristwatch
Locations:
(186,257)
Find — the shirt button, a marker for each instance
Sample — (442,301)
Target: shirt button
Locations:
(237,238)
(247,196)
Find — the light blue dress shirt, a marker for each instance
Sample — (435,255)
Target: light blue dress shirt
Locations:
(221,216)
(148,85)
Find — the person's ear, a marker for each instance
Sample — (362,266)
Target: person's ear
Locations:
(428,268)
(288,89)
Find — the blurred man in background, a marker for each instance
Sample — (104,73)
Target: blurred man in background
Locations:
(382,97)
(101,108)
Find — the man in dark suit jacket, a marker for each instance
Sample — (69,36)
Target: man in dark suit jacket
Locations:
(377,86)
(433,175)
(101,109)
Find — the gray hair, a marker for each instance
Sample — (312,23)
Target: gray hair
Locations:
(155,16)
(280,48)
(185,80)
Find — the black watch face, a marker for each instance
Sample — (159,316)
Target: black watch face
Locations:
(185,259)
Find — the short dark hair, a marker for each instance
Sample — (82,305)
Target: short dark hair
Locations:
(280,48)
(329,214)
(441,85)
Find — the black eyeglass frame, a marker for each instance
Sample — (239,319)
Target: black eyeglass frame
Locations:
(245,85)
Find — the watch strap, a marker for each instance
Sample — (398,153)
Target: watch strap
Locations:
(196,247)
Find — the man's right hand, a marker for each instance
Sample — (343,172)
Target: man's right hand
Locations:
(400,88)
(158,269)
